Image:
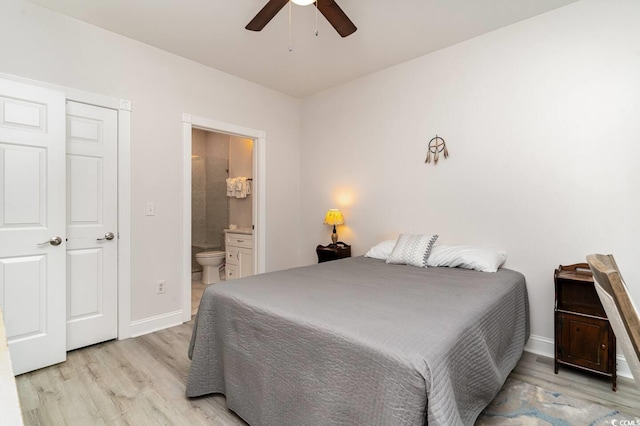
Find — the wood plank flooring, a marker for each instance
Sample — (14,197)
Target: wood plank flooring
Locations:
(137,381)
(538,370)
(142,381)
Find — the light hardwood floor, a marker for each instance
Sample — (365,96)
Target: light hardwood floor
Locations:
(138,381)
(538,370)
(142,381)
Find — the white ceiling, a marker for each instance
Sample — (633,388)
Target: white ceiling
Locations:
(212,32)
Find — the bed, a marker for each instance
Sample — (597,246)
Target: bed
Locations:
(359,342)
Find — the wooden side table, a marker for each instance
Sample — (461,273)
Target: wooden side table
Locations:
(583,336)
(336,251)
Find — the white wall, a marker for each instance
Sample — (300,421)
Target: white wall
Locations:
(49,47)
(542,123)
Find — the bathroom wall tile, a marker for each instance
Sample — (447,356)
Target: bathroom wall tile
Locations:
(217,204)
(198,174)
(195,266)
(218,145)
(198,142)
(198,217)
(217,219)
(198,186)
(210,209)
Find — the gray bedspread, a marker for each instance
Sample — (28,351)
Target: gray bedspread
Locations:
(359,342)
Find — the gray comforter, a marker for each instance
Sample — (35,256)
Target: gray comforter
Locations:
(359,342)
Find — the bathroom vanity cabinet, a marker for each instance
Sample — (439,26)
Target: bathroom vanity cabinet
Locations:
(239,261)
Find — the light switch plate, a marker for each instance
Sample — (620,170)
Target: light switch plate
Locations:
(150,209)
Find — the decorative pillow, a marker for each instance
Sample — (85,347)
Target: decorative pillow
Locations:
(468,257)
(381,250)
(412,250)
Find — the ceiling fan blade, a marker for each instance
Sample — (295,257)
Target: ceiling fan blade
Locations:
(336,17)
(267,13)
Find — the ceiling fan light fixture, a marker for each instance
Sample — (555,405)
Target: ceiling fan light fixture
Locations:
(329,8)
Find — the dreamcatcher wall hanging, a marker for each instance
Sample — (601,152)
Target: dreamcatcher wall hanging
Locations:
(436,146)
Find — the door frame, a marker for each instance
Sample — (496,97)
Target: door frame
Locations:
(123,108)
(259,137)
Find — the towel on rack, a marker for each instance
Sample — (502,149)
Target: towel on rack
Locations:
(241,187)
(231,187)
(238,187)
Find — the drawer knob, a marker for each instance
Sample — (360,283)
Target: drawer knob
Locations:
(603,346)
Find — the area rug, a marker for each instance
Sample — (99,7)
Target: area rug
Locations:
(523,404)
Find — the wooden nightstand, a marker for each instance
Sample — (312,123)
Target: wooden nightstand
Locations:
(583,336)
(333,252)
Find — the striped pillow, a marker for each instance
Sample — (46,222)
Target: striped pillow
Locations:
(412,249)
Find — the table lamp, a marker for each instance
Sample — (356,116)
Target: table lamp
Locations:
(334,217)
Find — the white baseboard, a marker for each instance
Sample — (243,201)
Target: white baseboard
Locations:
(159,322)
(544,346)
(540,346)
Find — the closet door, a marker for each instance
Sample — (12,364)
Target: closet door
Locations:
(92,230)
(32,224)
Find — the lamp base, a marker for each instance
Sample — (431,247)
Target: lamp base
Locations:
(334,236)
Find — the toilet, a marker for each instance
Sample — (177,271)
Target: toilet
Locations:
(211,262)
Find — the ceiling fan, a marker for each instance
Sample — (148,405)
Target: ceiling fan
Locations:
(328,8)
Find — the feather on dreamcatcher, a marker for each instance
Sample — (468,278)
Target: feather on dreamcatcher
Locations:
(436,146)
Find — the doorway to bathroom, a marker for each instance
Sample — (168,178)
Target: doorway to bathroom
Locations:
(223,205)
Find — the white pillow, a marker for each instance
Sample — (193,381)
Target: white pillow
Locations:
(468,257)
(412,250)
(381,250)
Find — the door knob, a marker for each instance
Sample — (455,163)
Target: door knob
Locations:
(54,241)
(107,236)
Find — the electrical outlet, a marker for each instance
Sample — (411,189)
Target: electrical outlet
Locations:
(161,286)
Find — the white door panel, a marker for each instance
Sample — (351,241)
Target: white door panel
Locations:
(23,285)
(23,112)
(91,214)
(85,190)
(84,269)
(32,211)
(23,184)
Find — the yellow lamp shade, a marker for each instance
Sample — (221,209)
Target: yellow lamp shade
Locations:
(333,217)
